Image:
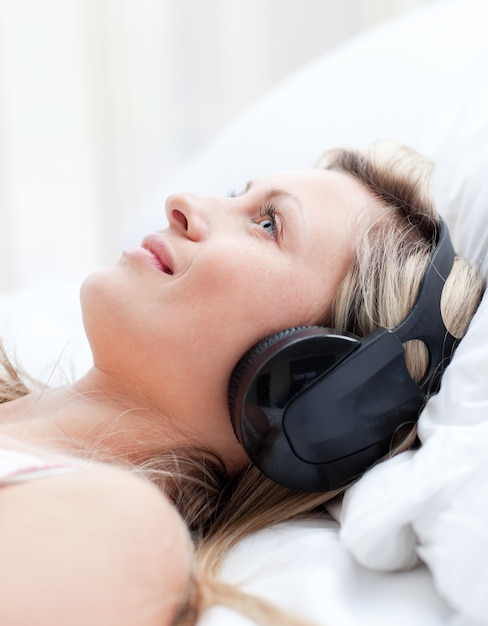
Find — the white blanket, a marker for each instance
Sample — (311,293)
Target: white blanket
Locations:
(432,504)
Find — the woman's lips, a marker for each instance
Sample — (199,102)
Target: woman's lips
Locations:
(154,252)
(156,247)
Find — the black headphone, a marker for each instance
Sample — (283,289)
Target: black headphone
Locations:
(315,408)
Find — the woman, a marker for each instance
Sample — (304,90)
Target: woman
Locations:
(345,246)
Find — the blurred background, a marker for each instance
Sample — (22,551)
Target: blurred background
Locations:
(102,100)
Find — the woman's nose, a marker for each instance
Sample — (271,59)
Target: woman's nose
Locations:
(189,215)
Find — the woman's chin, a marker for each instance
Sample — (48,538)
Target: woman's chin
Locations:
(100,300)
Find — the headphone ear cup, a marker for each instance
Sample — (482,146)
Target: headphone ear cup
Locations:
(280,366)
(247,364)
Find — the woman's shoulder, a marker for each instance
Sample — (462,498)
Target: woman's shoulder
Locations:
(131,548)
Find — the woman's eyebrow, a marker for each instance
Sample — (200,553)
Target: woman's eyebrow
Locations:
(272,193)
(277,193)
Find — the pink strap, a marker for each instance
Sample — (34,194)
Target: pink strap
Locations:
(18,466)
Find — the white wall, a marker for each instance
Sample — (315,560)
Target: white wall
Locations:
(101,99)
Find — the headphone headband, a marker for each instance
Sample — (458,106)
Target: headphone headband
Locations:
(425,321)
(315,407)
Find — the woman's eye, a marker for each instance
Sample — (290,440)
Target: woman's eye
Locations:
(268,220)
(268,225)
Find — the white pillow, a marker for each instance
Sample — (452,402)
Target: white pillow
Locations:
(419,79)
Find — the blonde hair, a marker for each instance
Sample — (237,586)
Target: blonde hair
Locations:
(392,253)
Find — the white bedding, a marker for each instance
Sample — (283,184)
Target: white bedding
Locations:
(413,542)
(432,504)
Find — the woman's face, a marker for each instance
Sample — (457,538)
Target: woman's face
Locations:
(174,316)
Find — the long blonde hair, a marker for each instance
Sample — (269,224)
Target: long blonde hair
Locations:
(392,254)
